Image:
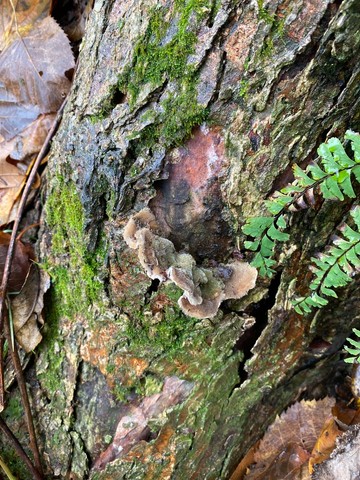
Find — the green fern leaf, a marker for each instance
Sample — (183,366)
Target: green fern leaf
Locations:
(256,226)
(316,171)
(339,154)
(354,343)
(355,213)
(326,193)
(352,351)
(281,222)
(345,265)
(327,158)
(334,268)
(276,234)
(333,176)
(252,245)
(273,206)
(303,179)
(352,257)
(336,277)
(329,292)
(351,234)
(333,187)
(351,360)
(356,172)
(355,143)
(346,184)
(263,264)
(267,246)
(292,189)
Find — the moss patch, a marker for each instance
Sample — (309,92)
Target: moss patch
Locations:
(14,417)
(52,347)
(76,280)
(168,335)
(162,54)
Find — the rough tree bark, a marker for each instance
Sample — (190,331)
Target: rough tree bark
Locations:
(197,110)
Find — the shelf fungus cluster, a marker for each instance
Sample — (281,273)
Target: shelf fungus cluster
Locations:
(203,288)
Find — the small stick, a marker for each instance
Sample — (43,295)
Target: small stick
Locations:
(19,450)
(33,225)
(23,391)
(2,380)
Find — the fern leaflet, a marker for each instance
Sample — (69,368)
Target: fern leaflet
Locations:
(333,269)
(354,350)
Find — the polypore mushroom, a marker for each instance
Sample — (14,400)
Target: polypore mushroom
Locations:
(204,288)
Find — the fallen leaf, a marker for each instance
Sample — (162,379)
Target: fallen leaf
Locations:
(19,17)
(346,415)
(325,444)
(243,466)
(287,465)
(35,56)
(299,425)
(21,262)
(344,462)
(27,308)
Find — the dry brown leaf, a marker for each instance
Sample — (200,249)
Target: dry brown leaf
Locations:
(31,284)
(21,262)
(287,465)
(27,309)
(300,424)
(35,56)
(38,83)
(13,173)
(325,444)
(11,181)
(346,415)
(344,461)
(243,466)
(22,19)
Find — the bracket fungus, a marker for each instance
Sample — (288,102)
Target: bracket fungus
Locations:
(203,288)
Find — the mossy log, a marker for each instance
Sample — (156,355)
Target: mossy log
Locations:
(196,110)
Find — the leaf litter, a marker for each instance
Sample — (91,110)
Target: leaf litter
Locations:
(302,438)
(35,61)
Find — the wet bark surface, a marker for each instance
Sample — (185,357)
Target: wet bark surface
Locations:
(197,112)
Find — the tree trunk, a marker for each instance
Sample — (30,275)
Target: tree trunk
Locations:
(196,110)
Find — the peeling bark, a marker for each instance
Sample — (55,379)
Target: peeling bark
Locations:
(197,113)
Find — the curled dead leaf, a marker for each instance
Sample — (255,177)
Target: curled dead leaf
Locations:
(27,309)
(21,263)
(325,444)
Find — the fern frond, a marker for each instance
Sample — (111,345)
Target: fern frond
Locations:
(355,352)
(332,175)
(335,268)
(266,231)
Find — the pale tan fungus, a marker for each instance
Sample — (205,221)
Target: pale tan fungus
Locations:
(204,288)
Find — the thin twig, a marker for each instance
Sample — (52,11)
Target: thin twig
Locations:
(23,391)
(19,450)
(6,470)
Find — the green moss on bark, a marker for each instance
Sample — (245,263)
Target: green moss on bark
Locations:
(75,274)
(163,54)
